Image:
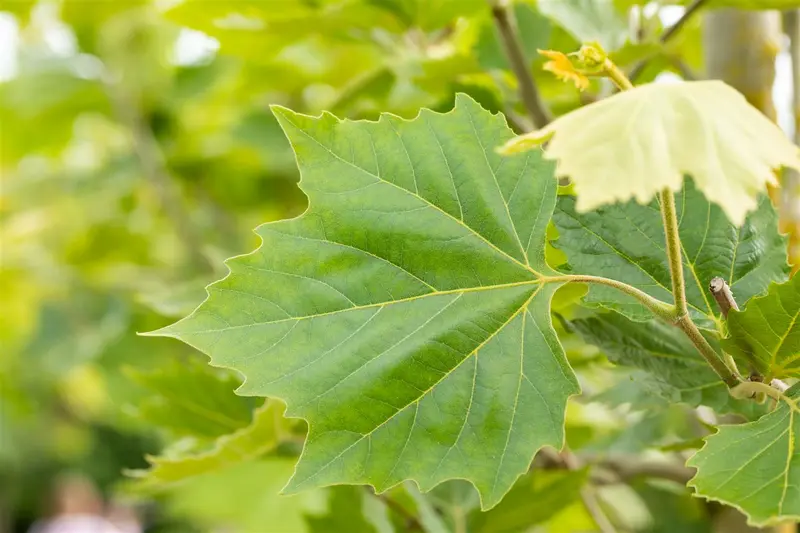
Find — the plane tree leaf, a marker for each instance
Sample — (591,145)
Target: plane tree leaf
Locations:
(638,142)
(765,337)
(261,436)
(626,242)
(755,467)
(674,366)
(404,315)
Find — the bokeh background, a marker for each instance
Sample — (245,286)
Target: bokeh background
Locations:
(138,151)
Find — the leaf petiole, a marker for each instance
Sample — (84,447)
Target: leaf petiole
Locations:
(661,309)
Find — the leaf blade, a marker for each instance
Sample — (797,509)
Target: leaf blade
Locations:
(389,312)
(765,337)
(764,484)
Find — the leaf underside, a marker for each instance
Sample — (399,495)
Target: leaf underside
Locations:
(639,142)
(765,337)
(755,467)
(626,242)
(677,370)
(403,314)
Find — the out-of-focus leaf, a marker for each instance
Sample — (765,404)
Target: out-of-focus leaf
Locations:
(532,27)
(345,513)
(535,498)
(666,354)
(645,140)
(429,14)
(588,20)
(765,337)
(260,437)
(626,242)
(673,509)
(752,4)
(248,500)
(19,8)
(56,97)
(430,519)
(191,399)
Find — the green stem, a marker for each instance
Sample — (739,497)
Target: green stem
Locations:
(674,255)
(709,354)
(616,75)
(661,309)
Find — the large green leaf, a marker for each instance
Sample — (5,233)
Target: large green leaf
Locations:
(639,142)
(261,436)
(677,370)
(404,315)
(755,467)
(626,242)
(765,337)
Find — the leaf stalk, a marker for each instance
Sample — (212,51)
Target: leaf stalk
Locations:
(674,254)
(663,310)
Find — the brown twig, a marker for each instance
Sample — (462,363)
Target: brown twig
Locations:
(668,34)
(722,294)
(528,92)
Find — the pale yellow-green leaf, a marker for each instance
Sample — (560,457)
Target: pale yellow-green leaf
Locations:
(638,142)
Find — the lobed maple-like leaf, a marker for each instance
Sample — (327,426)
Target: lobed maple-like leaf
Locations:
(638,142)
(626,242)
(404,314)
(765,337)
(755,467)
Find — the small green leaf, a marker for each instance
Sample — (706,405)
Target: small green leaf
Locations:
(755,467)
(765,337)
(626,242)
(678,371)
(261,436)
(638,142)
(404,314)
